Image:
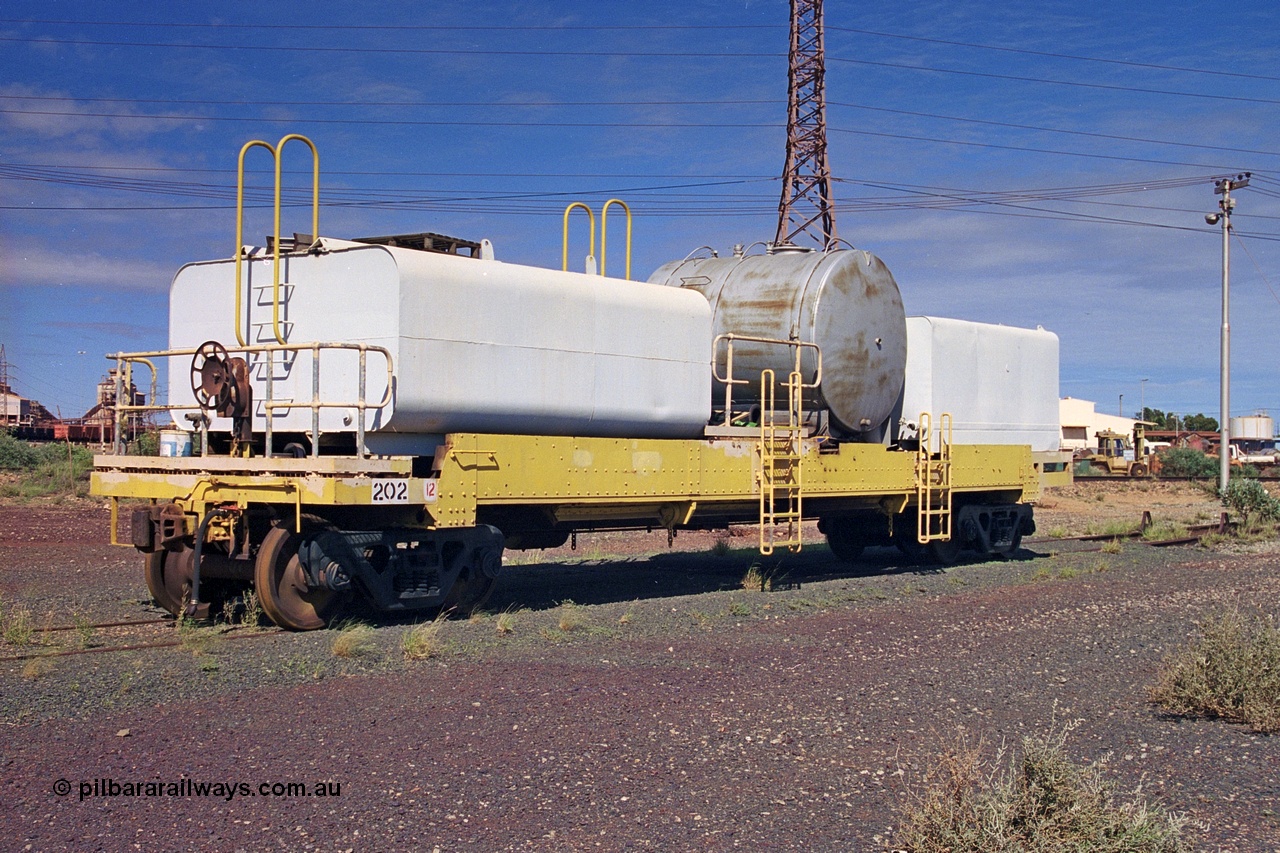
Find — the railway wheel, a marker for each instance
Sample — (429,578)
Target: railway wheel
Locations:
(844,543)
(1008,552)
(168,575)
(282,585)
(944,553)
(475,584)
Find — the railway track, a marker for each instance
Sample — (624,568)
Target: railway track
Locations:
(158,633)
(1088,479)
(1195,532)
(123,636)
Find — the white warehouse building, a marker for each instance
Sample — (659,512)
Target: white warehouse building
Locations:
(1081,421)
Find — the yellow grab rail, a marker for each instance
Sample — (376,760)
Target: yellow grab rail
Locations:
(270,404)
(591,245)
(728,380)
(253,143)
(276,151)
(315,222)
(604,225)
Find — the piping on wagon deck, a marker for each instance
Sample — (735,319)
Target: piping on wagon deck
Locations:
(382,417)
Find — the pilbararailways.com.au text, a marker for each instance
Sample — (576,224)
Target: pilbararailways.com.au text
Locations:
(106,788)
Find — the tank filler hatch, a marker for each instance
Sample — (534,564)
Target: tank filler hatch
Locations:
(426,242)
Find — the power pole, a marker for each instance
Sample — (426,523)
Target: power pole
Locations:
(1226,204)
(806,209)
(4,386)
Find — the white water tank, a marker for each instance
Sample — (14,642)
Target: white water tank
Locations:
(478,345)
(1256,427)
(998,383)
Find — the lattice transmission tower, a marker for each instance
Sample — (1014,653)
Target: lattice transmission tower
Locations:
(806,210)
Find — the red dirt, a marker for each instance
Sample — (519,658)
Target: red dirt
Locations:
(694,724)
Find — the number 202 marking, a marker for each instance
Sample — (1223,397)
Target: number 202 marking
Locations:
(390,491)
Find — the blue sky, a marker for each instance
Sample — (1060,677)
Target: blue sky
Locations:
(1018,163)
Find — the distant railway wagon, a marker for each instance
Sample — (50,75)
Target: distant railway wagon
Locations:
(382,417)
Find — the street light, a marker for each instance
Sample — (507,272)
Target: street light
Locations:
(1142,399)
(1225,205)
(1120,410)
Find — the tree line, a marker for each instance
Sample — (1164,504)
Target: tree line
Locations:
(1187,423)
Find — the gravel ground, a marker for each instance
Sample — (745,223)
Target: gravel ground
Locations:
(679,712)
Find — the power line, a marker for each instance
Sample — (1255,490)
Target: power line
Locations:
(664,125)
(1028,212)
(1050,55)
(555,104)
(1039,129)
(629,28)
(399,27)
(684,205)
(1257,266)
(595,54)
(1016,78)
(397,173)
(1028,149)
(468,104)
(416,51)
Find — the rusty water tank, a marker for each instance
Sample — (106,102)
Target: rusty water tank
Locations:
(845,301)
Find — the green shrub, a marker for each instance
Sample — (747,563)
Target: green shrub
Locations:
(1185,462)
(1250,500)
(146,444)
(1232,672)
(45,468)
(1084,468)
(16,455)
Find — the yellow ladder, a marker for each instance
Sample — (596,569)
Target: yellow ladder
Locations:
(933,481)
(781,466)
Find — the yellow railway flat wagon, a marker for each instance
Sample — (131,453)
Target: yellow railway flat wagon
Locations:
(307,532)
(387,415)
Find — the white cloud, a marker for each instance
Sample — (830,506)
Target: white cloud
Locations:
(32,265)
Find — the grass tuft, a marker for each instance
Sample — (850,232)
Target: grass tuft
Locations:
(17,627)
(37,668)
(1033,802)
(572,618)
(720,548)
(354,640)
(196,638)
(84,630)
(1111,528)
(757,579)
(1163,530)
(1231,671)
(423,641)
(1112,546)
(505,623)
(244,610)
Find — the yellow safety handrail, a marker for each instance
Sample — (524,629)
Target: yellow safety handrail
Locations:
(270,404)
(604,225)
(315,222)
(276,152)
(240,223)
(591,245)
(728,379)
